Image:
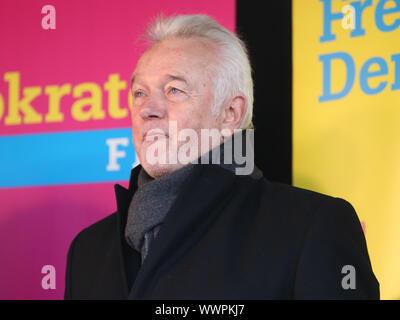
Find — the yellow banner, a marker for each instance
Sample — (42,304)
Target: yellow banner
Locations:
(346,116)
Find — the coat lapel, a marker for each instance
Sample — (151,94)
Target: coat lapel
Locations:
(124,197)
(194,210)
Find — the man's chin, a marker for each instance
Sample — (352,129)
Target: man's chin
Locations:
(159,170)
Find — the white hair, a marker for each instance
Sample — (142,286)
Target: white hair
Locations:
(232,71)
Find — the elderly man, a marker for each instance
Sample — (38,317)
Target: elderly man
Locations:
(188,228)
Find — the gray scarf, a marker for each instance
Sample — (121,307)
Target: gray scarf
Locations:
(150,204)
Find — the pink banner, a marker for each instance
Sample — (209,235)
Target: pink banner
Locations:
(65,67)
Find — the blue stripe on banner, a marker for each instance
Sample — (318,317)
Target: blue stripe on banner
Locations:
(65,158)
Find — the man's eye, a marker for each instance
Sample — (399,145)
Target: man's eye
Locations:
(138,94)
(175,91)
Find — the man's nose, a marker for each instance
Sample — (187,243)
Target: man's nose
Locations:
(154,108)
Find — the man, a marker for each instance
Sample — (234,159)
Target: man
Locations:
(188,229)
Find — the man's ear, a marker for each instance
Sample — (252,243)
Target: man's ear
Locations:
(234,112)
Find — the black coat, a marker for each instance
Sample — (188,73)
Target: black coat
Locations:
(227,237)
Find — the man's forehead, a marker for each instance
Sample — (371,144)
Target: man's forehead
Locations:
(168,77)
(179,58)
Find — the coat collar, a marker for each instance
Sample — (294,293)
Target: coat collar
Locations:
(208,186)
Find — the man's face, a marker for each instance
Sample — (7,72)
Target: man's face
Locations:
(171,83)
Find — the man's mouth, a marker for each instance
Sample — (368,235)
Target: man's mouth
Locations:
(153,135)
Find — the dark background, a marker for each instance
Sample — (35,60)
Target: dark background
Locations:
(266,28)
